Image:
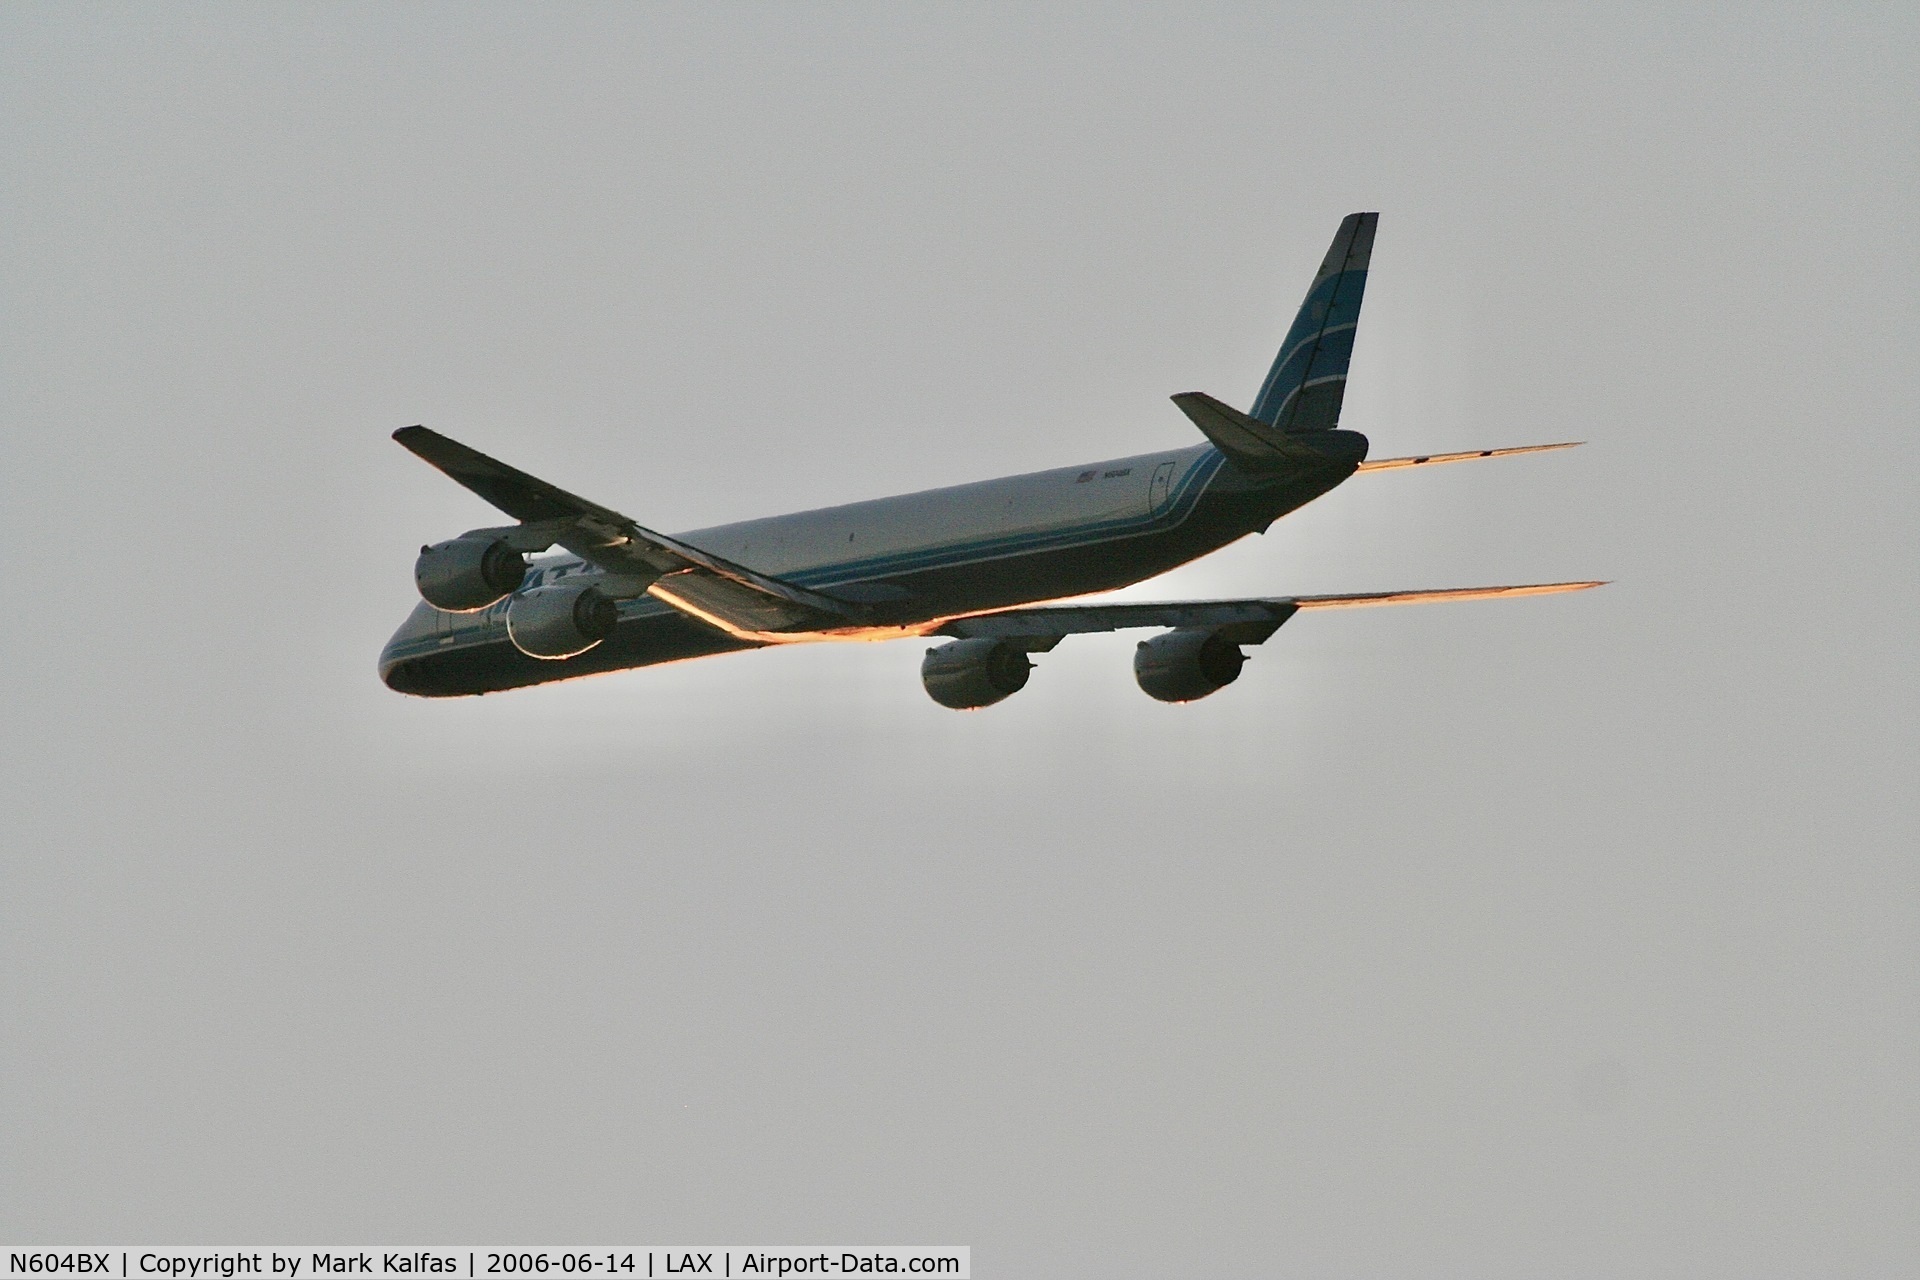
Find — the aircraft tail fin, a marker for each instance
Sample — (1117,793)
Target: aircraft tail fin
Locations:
(1309,376)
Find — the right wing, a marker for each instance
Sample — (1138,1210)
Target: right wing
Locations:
(1238,621)
(730,596)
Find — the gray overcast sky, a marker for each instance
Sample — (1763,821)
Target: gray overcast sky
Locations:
(1576,936)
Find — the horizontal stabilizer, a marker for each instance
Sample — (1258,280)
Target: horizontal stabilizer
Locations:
(1435,459)
(1260,446)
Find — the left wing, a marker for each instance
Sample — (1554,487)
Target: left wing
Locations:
(1237,621)
(730,596)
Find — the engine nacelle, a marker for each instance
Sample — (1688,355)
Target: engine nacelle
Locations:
(465,575)
(1181,666)
(560,621)
(974,673)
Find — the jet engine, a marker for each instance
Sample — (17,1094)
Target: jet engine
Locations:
(465,575)
(1181,666)
(974,673)
(560,621)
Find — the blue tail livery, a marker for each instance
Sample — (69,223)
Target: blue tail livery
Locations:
(1309,377)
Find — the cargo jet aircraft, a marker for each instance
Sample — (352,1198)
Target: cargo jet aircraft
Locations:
(972,565)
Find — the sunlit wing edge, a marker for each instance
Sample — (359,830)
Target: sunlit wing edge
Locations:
(1076,619)
(1367,599)
(1473,455)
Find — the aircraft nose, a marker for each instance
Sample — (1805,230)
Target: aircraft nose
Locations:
(394,671)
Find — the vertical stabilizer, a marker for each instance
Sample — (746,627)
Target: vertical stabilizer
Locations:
(1309,376)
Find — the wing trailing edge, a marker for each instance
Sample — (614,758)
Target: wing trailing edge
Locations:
(1263,447)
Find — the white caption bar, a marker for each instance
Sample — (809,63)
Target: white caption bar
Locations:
(471,1262)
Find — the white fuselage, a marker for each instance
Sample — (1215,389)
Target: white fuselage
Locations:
(913,557)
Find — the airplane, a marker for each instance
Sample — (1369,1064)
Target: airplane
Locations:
(992,569)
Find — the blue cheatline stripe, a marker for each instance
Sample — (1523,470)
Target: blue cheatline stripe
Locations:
(1327,318)
(1180,504)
